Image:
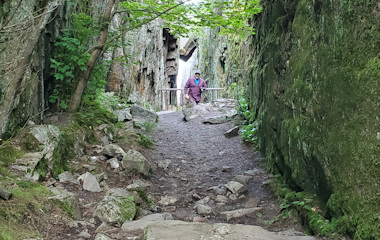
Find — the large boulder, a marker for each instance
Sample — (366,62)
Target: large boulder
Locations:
(124,115)
(224,103)
(144,221)
(174,230)
(113,151)
(142,113)
(134,160)
(194,112)
(43,141)
(90,182)
(116,207)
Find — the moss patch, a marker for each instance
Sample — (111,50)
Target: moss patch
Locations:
(28,199)
(8,155)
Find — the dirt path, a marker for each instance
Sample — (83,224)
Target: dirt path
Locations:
(198,155)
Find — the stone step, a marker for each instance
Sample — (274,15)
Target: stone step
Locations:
(174,230)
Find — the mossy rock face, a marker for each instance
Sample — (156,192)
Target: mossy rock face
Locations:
(314,89)
(116,209)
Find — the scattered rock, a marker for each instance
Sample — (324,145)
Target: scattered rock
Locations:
(144,221)
(5,194)
(200,219)
(227,169)
(35,176)
(114,163)
(103,228)
(205,200)
(124,115)
(115,207)
(164,164)
(196,196)
(191,113)
(90,183)
(105,140)
(252,202)
(233,132)
(66,177)
(167,200)
(140,112)
(232,197)
(28,162)
(242,179)
(221,199)
(67,198)
(236,187)
(215,119)
(203,209)
(118,192)
(84,235)
(252,172)
(89,167)
(220,190)
(101,176)
(239,213)
(138,184)
(102,236)
(114,151)
(134,160)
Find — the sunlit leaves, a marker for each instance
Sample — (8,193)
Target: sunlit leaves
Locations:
(230,16)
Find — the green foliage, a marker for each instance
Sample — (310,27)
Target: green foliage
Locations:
(63,152)
(149,126)
(307,206)
(42,168)
(28,199)
(248,130)
(70,58)
(146,141)
(94,115)
(8,155)
(181,18)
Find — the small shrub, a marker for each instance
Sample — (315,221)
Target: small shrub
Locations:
(146,141)
(148,126)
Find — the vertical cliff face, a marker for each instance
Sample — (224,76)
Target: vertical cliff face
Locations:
(312,78)
(16,33)
(213,57)
(151,55)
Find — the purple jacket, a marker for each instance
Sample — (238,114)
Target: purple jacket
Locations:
(193,89)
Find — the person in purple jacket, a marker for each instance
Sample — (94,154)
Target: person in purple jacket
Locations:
(194,87)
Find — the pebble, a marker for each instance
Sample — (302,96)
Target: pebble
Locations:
(84,235)
(203,209)
(227,169)
(252,202)
(199,219)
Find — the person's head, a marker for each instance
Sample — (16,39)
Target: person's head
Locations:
(197,74)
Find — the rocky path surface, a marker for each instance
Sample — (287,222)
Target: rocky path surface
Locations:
(203,176)
(195,184)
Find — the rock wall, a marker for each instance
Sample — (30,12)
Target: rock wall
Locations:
(152,63)
(15,35)
(151,55)
(311,74)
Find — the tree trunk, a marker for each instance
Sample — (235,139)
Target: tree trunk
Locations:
(16,85)
(77,96)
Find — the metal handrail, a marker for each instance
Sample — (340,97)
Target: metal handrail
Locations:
(165,100)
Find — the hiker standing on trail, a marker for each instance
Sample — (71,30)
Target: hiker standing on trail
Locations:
(194,87)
